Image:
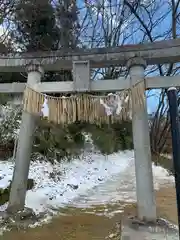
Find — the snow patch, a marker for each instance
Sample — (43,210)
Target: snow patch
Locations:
(97,179)
(6,170)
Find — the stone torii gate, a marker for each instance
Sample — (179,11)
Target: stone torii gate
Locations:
(136,58)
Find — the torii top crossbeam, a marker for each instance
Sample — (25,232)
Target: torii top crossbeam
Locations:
(167,51)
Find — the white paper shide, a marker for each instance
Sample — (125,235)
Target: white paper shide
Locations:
(113,106)
(45,108)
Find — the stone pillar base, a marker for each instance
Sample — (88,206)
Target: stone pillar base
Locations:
(133,229)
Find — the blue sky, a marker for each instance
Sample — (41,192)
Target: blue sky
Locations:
(152,101)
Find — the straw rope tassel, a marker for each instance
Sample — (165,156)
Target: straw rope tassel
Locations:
(82,107)
(138,96)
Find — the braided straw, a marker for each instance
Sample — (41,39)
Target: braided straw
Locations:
(83,107)
(138,98)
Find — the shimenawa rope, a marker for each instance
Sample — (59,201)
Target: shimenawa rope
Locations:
(85,107)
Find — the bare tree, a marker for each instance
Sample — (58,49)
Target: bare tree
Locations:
(7,10)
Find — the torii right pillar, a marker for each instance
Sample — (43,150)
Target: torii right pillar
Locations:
(146,203)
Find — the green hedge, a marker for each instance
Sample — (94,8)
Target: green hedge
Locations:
(57,142)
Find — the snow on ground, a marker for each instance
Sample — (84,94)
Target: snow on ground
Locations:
(121,187)
(65,183)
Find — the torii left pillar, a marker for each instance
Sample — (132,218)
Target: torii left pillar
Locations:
(24,148)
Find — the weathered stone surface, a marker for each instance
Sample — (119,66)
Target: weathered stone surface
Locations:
(19,220)
(166,51)
(132,229)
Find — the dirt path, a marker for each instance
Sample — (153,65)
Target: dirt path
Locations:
(166,204)
(83,226)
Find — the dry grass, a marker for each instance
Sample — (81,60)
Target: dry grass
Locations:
(82,226)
